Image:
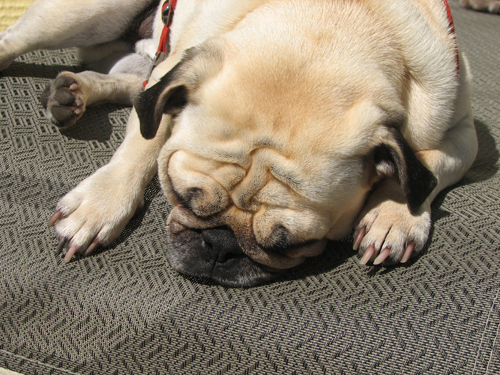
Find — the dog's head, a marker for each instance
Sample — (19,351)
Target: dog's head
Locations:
(273,150)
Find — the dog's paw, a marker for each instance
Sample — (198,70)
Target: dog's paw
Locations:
(95,212)
(64,100)
(387,232)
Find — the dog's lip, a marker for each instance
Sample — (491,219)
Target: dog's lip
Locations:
(181,219)
(184,217)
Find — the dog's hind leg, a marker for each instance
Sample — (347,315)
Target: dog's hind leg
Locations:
(116,80)
(54,24)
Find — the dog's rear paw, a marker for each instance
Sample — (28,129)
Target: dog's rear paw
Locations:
(95,212)
(387,232)
(64,100)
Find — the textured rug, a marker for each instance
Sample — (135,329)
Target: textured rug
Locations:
(125,311)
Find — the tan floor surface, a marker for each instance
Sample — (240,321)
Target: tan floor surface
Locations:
(11,10)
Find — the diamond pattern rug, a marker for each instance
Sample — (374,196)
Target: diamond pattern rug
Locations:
(125,311)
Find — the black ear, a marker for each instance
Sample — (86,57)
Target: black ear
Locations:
(394,156)
(169,95)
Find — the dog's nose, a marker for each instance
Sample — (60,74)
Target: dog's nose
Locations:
(220,245)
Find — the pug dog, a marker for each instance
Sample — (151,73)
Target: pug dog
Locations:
(491,6)
(274,125)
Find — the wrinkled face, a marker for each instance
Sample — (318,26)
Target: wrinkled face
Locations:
(269,156)
(252,196)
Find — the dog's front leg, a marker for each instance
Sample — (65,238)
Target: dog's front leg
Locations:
(96,211)
(387,231)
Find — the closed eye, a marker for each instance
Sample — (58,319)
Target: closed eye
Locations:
(282,242)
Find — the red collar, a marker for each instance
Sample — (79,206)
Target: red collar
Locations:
(451,26)
(167,14)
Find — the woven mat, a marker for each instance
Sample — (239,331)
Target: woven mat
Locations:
(125,311)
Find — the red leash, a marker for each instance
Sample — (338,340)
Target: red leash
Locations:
(167,13)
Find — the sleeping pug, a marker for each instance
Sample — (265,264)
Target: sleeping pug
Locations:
(274,125)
